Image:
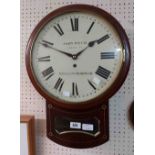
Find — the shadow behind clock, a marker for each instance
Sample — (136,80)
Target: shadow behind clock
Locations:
(131,114)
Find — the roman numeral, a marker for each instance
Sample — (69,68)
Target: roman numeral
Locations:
(75,24)
(75,89)
(92,24)
(59,29)
(91,84)
(104,73)
(107,55)
(103,39)
(46,43)
(49,72)
(43,59)
(59,84)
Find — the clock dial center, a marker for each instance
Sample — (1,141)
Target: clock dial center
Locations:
(74,65)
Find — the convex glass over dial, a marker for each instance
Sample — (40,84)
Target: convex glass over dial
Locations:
(76,56)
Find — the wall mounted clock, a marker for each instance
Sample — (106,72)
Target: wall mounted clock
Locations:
(77,57)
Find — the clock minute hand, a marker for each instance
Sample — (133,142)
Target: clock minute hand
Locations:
(49,45)
(68,54)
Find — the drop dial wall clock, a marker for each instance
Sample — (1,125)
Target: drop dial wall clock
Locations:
(77,57)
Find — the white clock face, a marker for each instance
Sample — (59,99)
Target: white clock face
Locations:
(77,56)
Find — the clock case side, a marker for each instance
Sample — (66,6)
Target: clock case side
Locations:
(115,86)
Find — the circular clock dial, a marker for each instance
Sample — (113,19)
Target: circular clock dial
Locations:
(76,56)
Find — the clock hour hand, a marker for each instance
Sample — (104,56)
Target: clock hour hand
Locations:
(98,41)
(50,45)
(105,37)
(79,53)
(91,44)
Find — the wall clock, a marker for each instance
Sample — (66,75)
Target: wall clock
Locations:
(77,57)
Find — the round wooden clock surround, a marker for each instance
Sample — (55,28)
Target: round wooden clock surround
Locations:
(96,109)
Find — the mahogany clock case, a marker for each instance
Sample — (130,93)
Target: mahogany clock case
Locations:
(115,86)
(58,130)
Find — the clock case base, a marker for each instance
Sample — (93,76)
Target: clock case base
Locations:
(78,129)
